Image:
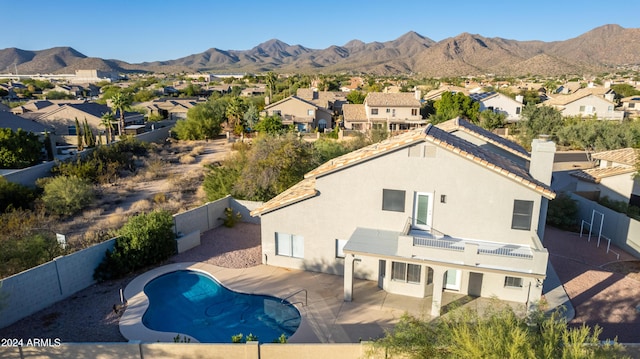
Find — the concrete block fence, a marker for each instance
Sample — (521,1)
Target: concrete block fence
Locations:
(27,292)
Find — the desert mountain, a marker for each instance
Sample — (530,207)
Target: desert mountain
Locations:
(466,54)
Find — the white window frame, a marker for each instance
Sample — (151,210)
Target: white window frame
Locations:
(289,245)
(400,272)
(340,243)
(513,282)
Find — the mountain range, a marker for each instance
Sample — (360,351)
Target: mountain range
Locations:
(601,49)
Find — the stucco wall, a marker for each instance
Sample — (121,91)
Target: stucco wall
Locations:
(478,205)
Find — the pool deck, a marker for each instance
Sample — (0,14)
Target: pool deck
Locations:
(326,317)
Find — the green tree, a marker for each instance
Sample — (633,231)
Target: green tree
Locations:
(144,240)
(203,121)
(89,137)
(271,78)
(107,122)
(19,149)
(624,90)
(121,102)
(274,164)
(356,97)
(491,120)
(251,116)
(67,195)
(235,111)
(13,195)
(79,136)
(59,95)
(535,121)
(270,125)
(451,106)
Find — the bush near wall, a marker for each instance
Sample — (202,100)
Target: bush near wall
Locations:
(144,240)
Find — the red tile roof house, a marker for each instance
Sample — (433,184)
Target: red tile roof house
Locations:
(421,213)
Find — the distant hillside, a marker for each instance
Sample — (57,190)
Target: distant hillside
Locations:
(466,54)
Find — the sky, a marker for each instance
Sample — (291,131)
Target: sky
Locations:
(154,30)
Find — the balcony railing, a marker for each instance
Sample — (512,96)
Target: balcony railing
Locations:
(433,238)
(438,243)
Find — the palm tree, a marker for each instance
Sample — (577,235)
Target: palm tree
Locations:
(235,111)
(107,121)
(271,79)
(120,102)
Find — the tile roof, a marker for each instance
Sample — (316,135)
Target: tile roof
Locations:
(403,99)
(368,152)
(354,112)
(459,124)
(487,159)
(627,156)
(298,192)
(492,161)
(561,100)
(14,122)
(595,175)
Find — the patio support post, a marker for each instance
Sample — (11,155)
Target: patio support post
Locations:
(438,284)
(348,277)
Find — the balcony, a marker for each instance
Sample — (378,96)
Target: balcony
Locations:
(434,245)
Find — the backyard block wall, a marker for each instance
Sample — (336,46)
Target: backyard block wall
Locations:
(35,289)
(623,231)
(30,291)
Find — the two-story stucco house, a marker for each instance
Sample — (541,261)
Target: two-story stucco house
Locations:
(500,103)
(421,213)
(393,111)
(304,115)
(587,102)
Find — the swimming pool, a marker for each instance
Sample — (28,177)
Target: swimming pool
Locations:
(195,304)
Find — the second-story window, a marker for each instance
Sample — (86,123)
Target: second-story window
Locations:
(374,111)
(522,212)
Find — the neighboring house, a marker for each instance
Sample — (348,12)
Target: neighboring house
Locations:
(62,119)
(631,105)
(15,122)
(420,213)
(304,115)
(613,176)
(500,103)
(253,91)
(393,111)
(170,108)
(330,100)
(587,102)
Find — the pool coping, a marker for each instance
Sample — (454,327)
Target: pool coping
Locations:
(130,324)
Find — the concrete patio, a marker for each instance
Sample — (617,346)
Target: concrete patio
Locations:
(326,318)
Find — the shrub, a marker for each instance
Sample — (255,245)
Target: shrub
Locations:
(144,240)
(187,159)
(563,212)
(67,195)
(13,195)
(230,219)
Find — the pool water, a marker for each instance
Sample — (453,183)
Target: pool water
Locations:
(195,304)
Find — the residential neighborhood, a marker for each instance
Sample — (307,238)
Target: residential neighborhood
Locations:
(462,197)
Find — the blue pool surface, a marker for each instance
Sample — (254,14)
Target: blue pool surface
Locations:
(194,303)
